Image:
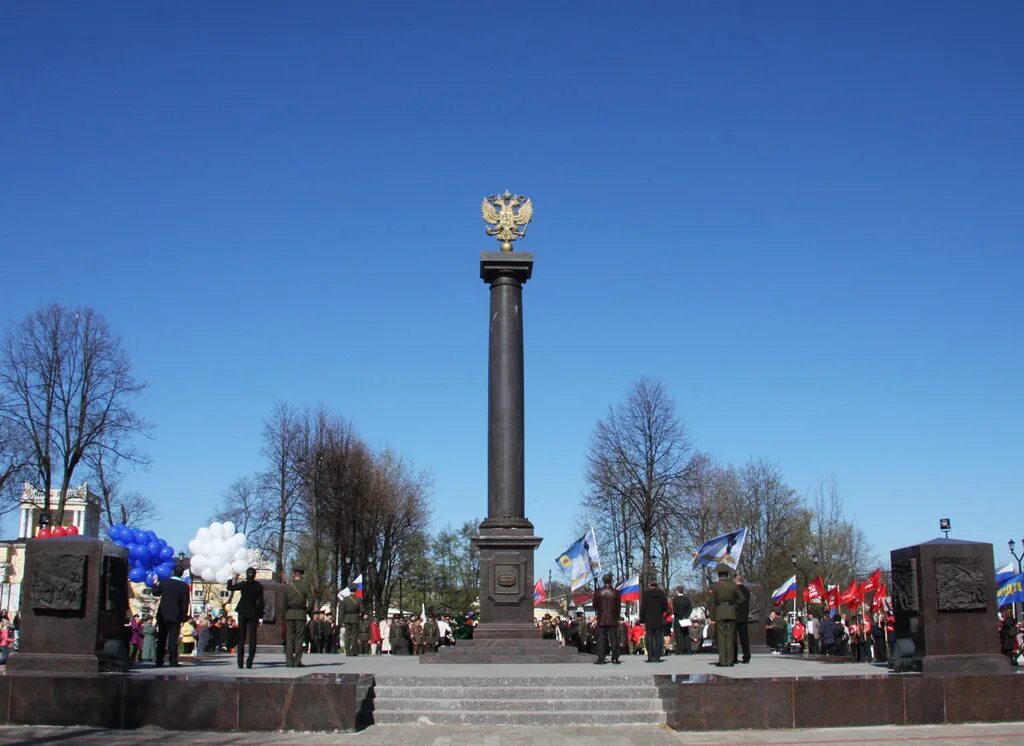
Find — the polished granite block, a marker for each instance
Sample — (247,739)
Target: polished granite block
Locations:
(316,703)
(821,703)
(984,698)
(94,700)
(705,702)
(182,703)
(749,703)
(923,700)
(5,700)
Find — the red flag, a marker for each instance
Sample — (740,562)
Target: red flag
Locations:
(832,597)
(881,597)
(815,590)
(874,580)
(539,595)
(852,596)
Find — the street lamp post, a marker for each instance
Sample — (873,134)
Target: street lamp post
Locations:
(1020,561)
(807,575)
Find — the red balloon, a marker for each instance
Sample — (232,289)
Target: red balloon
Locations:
(58,531)
(71,530)
(43,533)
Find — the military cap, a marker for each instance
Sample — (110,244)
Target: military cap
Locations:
(723,569)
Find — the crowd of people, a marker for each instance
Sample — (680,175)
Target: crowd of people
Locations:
(685,629)
(665,625)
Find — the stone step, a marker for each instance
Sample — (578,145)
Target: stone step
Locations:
(518,682)
(516,658)
(535,703)
(573,693)
(512,717)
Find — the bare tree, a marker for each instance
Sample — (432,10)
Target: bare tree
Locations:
(840,547)
(68,385)
(397,518)
(639,456)
(773,514)
(108,466)
(15,463)
(280,447)
(248,504)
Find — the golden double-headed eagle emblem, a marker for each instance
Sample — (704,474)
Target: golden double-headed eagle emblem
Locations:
(509,214)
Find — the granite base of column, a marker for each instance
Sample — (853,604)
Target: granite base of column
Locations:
(506,583)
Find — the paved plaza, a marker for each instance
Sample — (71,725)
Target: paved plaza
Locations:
(272,665)
(982,734)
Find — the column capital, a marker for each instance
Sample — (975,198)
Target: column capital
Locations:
(515,264)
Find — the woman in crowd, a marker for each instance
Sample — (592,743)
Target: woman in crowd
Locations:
(187,635)
(6,640)
(375,637)
(878,638)
(148,640)
(798,632)
(135,640)
(202,626)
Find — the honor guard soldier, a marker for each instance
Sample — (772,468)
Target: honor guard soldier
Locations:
(725,597)
(351,610)
(431,634)
(365,632)
(297,603)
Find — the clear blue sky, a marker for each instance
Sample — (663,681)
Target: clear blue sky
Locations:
(805,218)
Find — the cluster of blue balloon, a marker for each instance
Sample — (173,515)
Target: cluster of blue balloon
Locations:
(150,556)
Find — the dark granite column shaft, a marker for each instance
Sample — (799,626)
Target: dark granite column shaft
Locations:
(506,540)
(505,440)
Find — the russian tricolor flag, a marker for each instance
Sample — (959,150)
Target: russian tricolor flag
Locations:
(1005,573)
(358,583)
(785,592)
(630,589)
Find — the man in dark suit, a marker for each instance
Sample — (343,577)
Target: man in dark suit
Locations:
(681,610)
(742,617)
(653,607)
(608,605)
(172,611)
(250,610)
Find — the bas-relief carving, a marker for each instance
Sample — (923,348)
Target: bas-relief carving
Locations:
(960,584)
(757,603)
(58,582)
(904,584)
(270,606)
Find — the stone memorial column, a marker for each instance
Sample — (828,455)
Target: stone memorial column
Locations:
(506,540)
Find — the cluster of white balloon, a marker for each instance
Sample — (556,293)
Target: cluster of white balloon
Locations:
(218,552)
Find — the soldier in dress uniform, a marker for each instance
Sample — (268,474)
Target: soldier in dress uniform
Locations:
(398,634)
(725,596)
(351,610)
(297,604)
(416,635)
(431,634)
(363,636)
(579,632)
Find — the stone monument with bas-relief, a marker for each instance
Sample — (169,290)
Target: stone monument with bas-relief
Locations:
(944,599)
